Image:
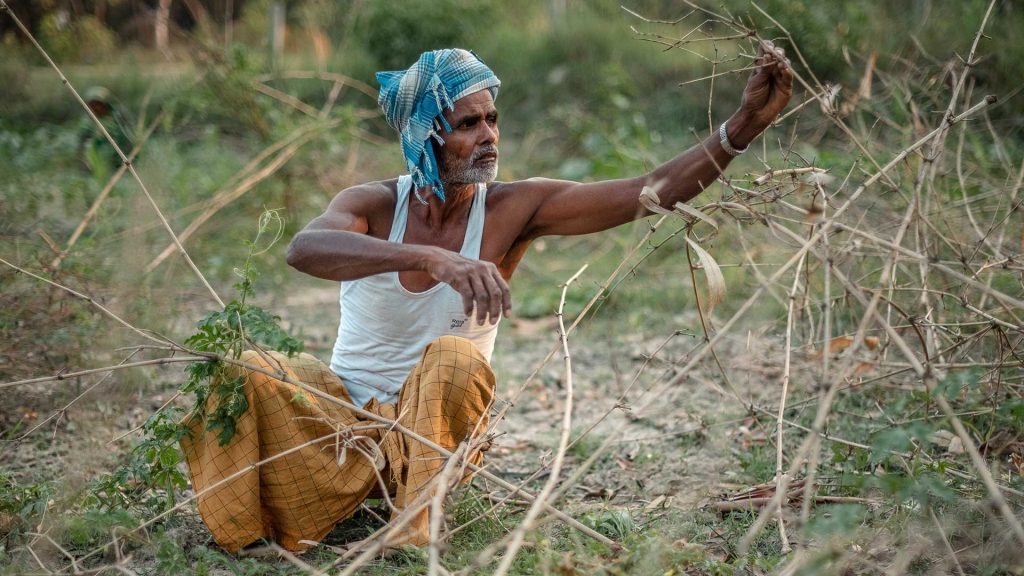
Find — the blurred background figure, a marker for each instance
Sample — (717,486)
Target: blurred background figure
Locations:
(98,156)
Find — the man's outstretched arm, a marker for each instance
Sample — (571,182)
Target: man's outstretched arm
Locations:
(569,208)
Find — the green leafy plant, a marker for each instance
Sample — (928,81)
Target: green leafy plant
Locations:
(152,474)
(225,333)
(615,523)
(21,505)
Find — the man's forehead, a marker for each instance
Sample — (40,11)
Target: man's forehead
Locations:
(476,103)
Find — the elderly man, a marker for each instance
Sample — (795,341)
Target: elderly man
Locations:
(423,260)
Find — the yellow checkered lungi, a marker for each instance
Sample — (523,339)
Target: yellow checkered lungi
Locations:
(302,495)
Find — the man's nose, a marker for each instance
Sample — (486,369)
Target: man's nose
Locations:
(489,134)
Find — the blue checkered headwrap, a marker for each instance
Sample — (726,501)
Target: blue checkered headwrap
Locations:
(413,101)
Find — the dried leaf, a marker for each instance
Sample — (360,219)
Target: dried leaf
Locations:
(713,273)
(840,343)
(654,504)
(941,438)
(828,99)
(862,368)
(956,446)
(688,210)
(649,199)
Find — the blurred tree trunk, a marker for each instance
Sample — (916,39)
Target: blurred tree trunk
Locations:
(161,31)
(558,9)
(277,33)
(99,10)
(229,22)
(199,14)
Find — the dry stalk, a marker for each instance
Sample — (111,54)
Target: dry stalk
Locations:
(69,375)
(437,509)
(169,401)
(337,79)
(945,541)
(927,376)
(605,288)
(519,533)
(296,561)
(59,412)
(90,300)
(780,477)
(928,169)
(61,549)
(114,179)
(585,466)
(812,463)
(287,99)
(825,404)
(379,540)
(298,138)
(826,226)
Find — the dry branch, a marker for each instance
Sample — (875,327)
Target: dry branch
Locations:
(519,533)
(296,139)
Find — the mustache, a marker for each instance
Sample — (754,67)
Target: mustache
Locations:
(485,151)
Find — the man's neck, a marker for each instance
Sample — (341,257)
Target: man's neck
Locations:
(458,198)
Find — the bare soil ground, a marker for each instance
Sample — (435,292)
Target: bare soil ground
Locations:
(677,451)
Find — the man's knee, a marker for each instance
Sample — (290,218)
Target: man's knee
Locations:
(257,367)
(456,349)
(461,355)
(249,361)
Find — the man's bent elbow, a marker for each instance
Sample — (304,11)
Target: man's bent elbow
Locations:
(297,256)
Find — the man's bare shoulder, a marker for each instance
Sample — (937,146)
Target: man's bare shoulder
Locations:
(367,197)
(522,197)
(365,207)
(528,192)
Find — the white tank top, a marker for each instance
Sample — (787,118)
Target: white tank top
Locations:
(385,327)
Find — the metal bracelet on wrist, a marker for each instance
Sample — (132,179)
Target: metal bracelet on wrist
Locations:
(723,138)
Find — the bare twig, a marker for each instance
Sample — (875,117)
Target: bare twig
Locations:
(526,524)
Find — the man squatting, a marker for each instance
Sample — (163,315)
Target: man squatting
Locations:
(424,262)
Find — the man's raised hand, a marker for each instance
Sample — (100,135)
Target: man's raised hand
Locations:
(768,90)
(477,281)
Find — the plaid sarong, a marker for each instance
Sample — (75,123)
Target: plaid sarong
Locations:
(303,494)
(413,101)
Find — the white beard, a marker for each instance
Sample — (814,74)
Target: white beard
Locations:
(478,174)
(455,172)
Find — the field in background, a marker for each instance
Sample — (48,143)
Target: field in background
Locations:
(902,323)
